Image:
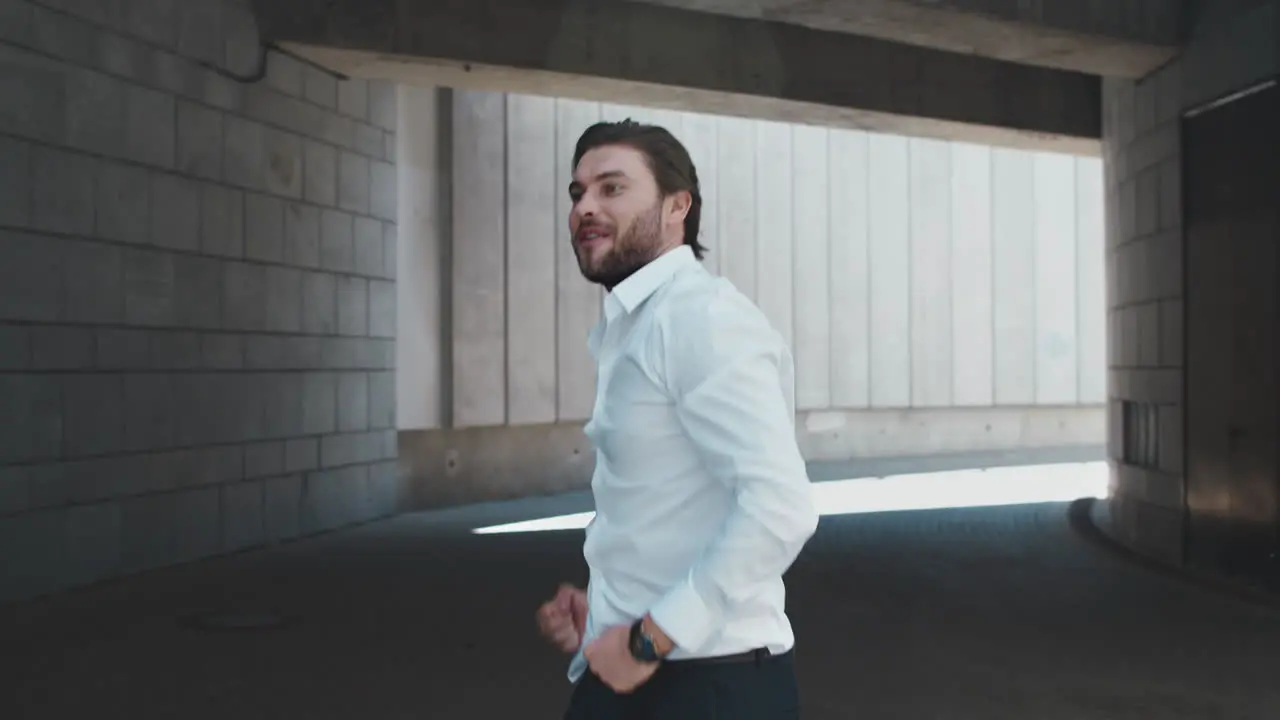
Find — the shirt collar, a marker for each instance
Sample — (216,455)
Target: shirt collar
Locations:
(630,293)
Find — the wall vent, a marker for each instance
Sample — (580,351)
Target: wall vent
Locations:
(1141,434)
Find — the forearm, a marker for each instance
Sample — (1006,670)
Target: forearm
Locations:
(760,540)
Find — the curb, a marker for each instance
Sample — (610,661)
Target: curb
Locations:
(1081,514)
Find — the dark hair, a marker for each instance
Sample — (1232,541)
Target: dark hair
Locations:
(667,158)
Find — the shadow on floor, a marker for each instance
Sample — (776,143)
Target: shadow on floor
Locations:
(965,613)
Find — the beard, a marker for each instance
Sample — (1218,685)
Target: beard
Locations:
(631,250)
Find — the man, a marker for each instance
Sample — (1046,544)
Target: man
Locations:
(702,498)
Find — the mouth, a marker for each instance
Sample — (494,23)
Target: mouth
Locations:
(591,236)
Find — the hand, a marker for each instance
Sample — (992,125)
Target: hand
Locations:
(611,660)
(563,618)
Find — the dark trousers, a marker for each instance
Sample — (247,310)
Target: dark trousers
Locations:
(763,688)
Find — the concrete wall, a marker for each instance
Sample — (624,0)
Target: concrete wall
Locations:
(1144,298)
(939,297)
(1232,45)
(196,292)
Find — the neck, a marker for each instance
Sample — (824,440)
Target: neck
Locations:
(612,282)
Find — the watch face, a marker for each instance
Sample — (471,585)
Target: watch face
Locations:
(642,645)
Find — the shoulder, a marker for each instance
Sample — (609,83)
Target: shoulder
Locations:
(699,304)
(704,323)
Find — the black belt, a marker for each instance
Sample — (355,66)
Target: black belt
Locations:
(756,656)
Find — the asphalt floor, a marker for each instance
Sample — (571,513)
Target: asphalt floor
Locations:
(946,614)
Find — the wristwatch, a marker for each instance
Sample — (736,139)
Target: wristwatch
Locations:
(641,644)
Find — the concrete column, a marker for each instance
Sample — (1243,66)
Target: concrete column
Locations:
(1169,462)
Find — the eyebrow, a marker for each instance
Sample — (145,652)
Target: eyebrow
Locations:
(602,176)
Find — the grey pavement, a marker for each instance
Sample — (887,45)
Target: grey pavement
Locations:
(943,614)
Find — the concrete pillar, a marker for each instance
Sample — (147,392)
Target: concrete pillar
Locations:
(1178,467)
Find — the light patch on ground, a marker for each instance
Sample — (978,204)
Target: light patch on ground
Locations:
(925,491)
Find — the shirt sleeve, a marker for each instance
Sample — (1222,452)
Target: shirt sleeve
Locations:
(731,376)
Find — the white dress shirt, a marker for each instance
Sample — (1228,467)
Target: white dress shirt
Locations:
(702,497)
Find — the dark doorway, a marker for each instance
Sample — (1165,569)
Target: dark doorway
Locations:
(1231,191)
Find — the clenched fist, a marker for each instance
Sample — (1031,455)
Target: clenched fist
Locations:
(563,618)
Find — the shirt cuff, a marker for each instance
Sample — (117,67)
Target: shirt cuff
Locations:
(685,617)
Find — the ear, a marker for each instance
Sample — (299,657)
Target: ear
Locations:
(678,205)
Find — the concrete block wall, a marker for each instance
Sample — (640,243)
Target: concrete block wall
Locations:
(196,291)
(1144,302)
(1231,46)
(939,297)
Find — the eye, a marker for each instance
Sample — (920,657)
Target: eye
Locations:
(611,189)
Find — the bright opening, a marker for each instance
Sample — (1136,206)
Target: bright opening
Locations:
(925,491)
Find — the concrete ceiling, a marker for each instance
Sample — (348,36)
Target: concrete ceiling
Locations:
(646,53)
(1122,38)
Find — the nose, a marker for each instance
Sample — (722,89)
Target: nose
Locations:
(586,207)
